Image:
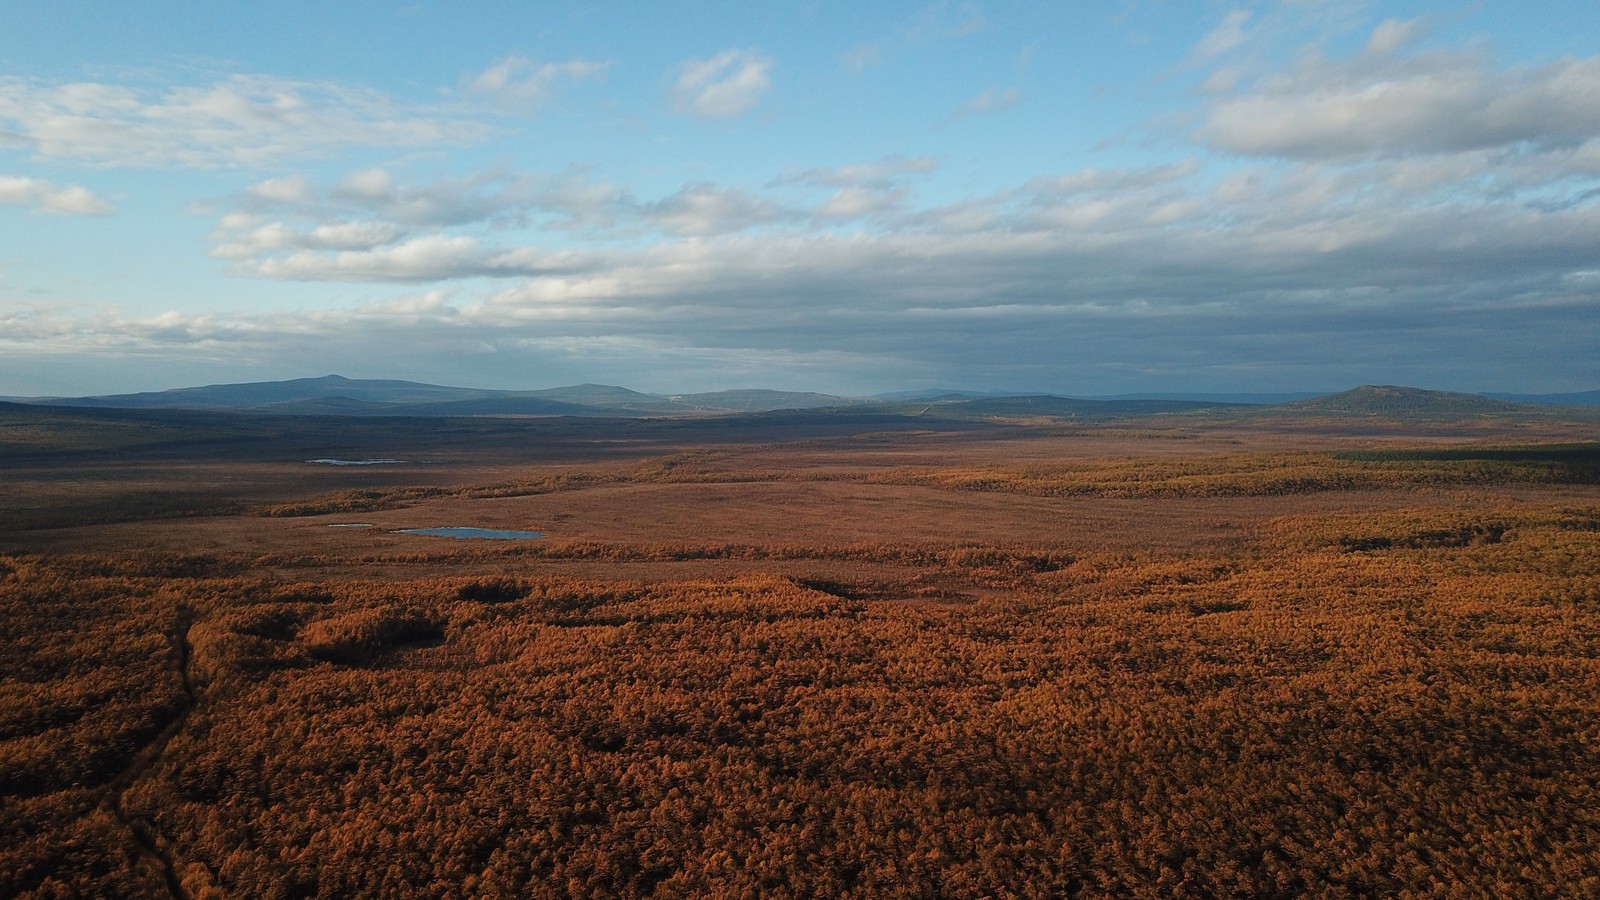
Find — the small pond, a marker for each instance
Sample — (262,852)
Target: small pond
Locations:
(461,533)
(355,462)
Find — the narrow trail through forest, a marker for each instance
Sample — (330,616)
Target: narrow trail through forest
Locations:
(143,830)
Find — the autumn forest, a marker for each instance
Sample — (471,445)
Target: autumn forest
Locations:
(1184,655)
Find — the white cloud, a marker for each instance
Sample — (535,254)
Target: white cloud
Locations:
(247,239)
(45,197)
(1404,199)
(991,100)
(1164,233)
(863,190)
(862,57)
(704,209)
(431,258)
(516,82)
(1384,210)
(724,86)
(1410,213)
(880,173)
(238,221)
(372,207)
(857,202)
(1226,37)
(429,305)
(289,189)
(1434,103)
(371,184)
(353,235)
(493,195)
(1392,34)
(1223,80)
(242,120)
(1068,275)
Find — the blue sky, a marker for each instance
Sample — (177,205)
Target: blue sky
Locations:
(1078,198)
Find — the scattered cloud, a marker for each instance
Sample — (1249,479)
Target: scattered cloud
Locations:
(290,227)
(249,239)
(1095,244)
(856,202)
(702,208)
(1342,211)
(882,173)
(723,86)
(371,225)
(863,56)
(1393,34)
(991,100)
(1432,103)
(375,184)
(45,197)
(515,82)
(860,191)
(238,121)
(496,197)
(430,258)
(1104,266)
(1225,38)
(290,189)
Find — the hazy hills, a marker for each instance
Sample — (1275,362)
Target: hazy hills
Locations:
(335,395)
(1402,403)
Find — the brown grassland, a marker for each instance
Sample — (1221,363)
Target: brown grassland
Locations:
(1185,656)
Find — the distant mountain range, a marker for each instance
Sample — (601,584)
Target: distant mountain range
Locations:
(1391,401)
(336,395)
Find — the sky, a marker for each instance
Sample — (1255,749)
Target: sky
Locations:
(1076,198)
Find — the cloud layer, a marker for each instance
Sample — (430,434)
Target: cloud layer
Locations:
(1094,276)
(1401,210)
(1438,102)
(518,83)
(45,197)
(241,120)
(723,86)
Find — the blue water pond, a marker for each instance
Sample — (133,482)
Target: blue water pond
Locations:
(491,534)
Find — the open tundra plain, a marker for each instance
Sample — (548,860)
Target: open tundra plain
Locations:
(1322,650)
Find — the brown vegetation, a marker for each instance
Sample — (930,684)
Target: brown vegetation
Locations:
(1275,673)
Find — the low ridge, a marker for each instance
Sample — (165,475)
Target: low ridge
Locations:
(339,395)
(1402,402)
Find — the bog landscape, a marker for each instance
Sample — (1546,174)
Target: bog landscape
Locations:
(753,644)
(1009,449)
